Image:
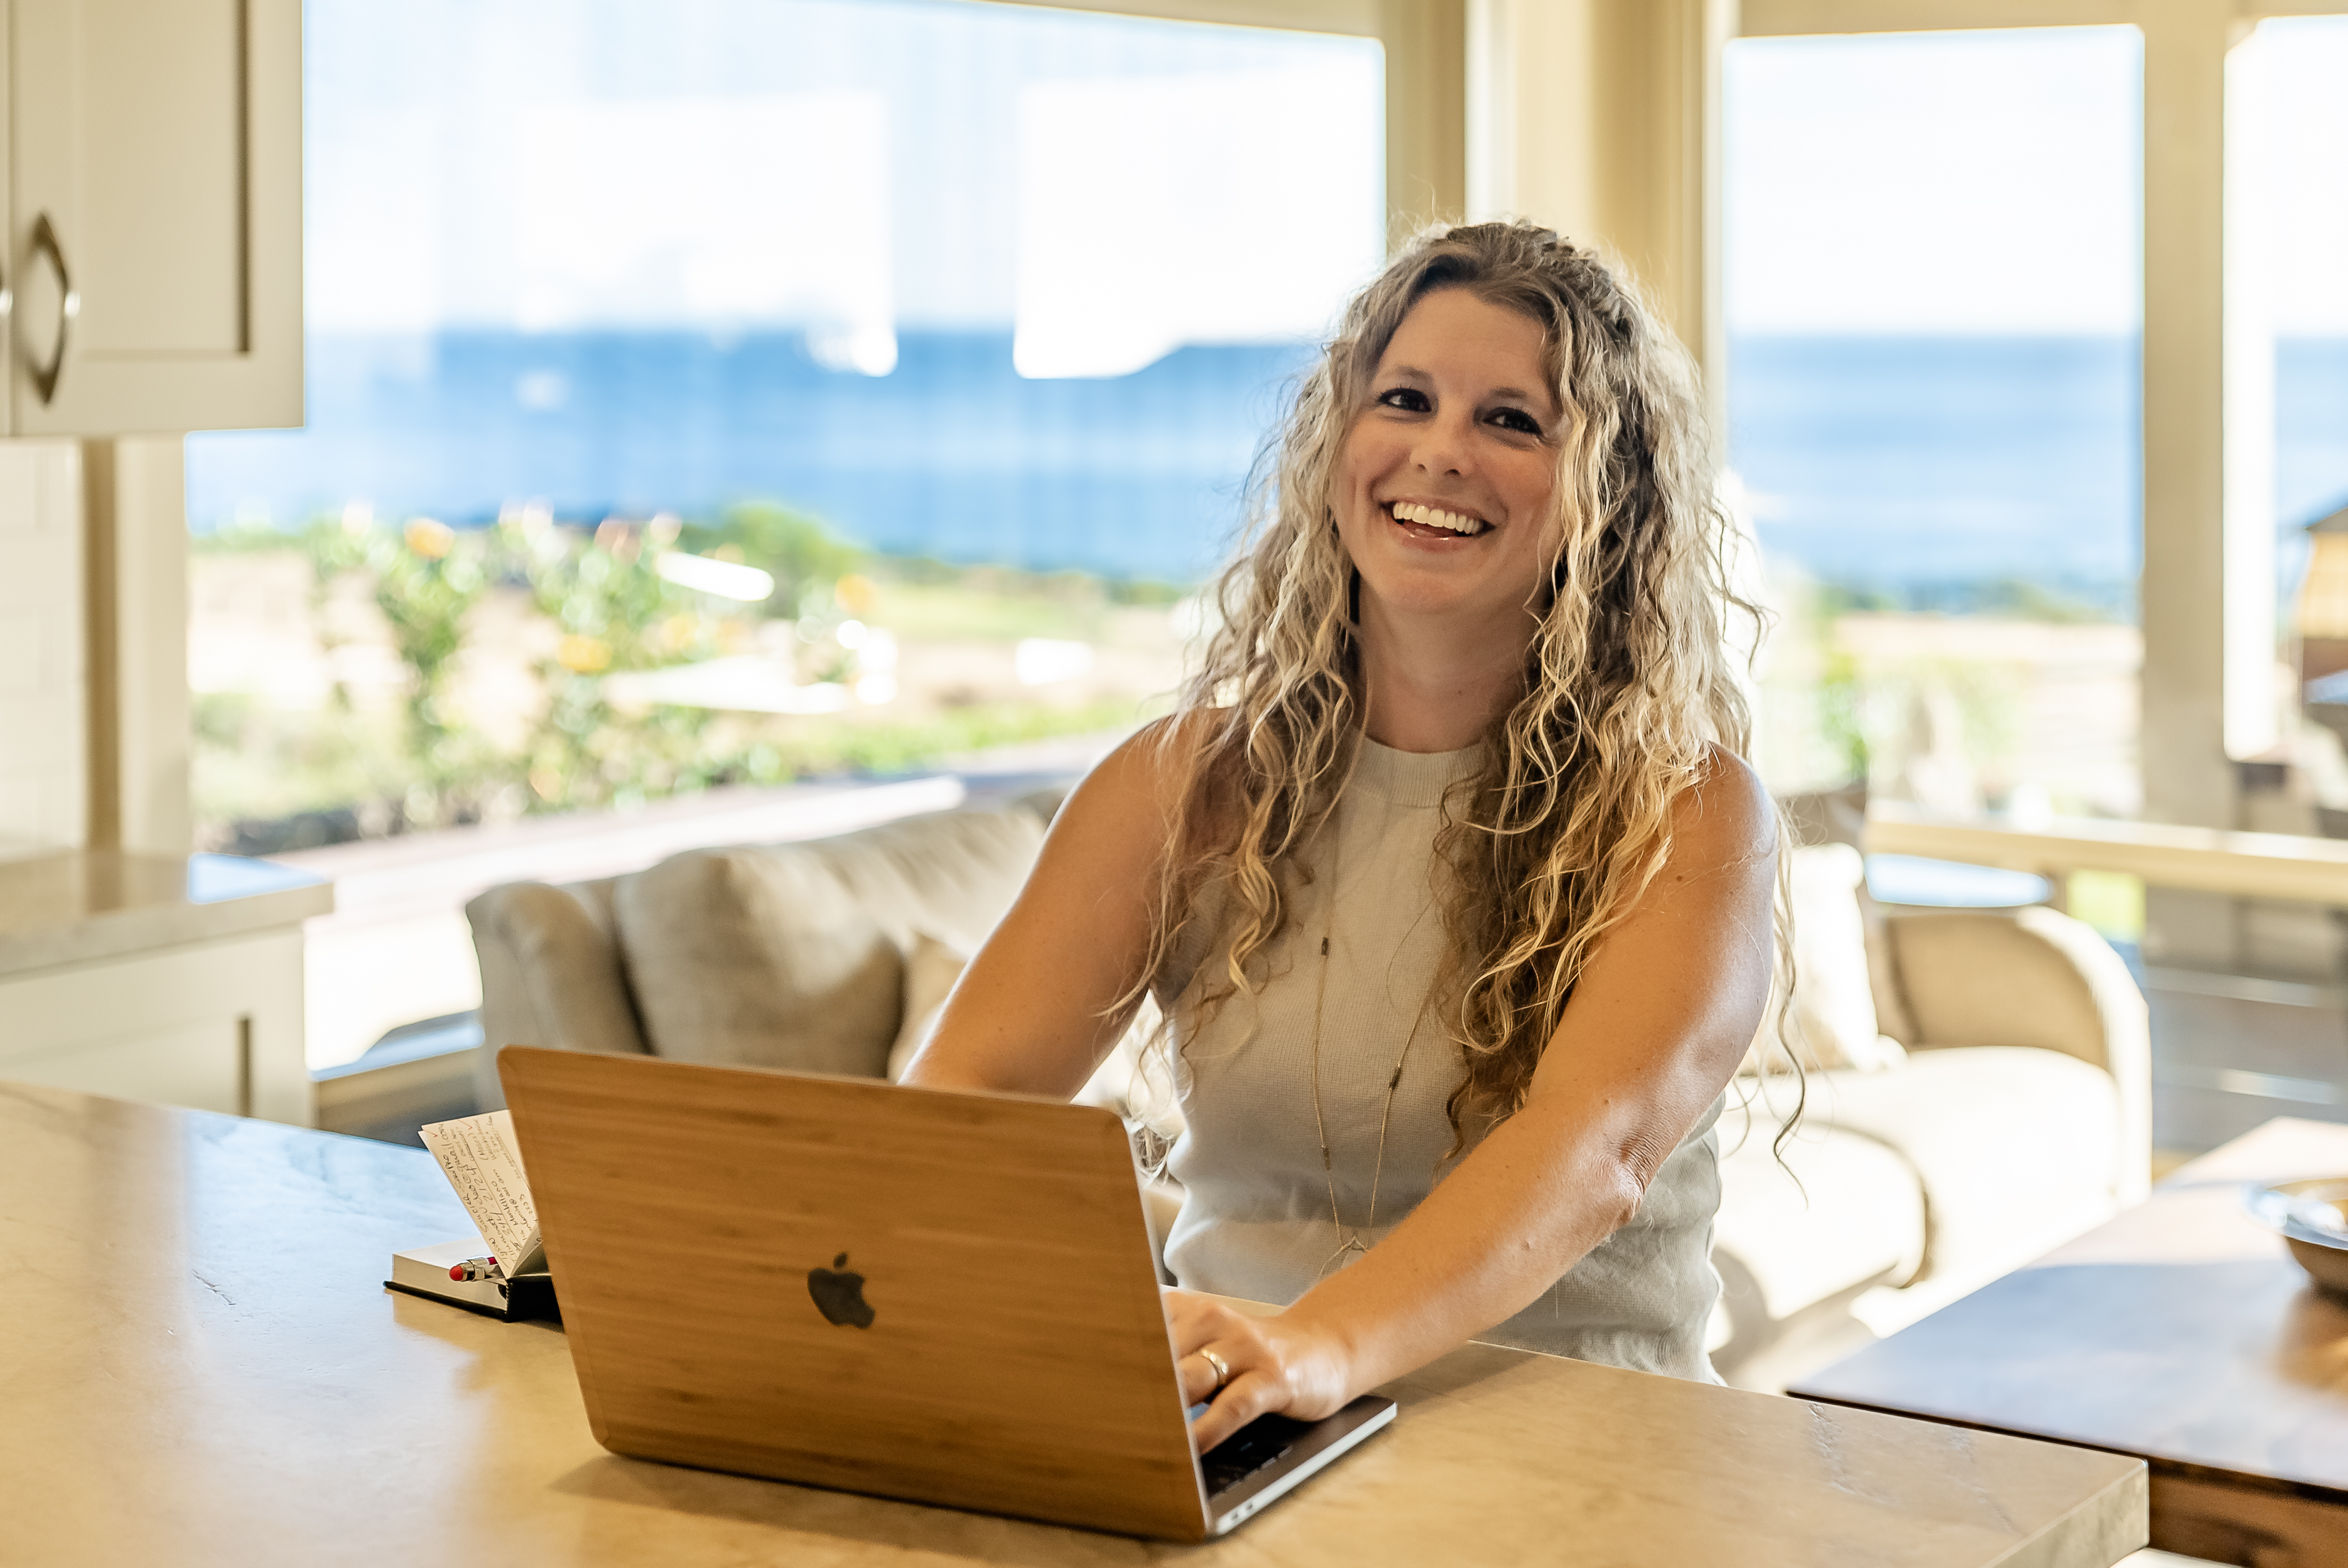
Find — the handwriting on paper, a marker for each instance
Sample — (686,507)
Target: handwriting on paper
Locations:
(483,1163)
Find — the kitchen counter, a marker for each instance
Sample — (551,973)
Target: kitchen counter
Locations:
(207,1370)
(78,906)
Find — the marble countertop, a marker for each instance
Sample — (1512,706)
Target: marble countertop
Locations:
(68,907)
(203,1368)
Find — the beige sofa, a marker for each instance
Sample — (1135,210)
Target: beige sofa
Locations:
(2019,1116)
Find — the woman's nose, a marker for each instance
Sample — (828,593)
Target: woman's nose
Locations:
(1444,444)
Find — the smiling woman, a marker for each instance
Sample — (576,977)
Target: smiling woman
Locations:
(1443,496)
(1448,877)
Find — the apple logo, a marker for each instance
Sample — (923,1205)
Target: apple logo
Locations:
(839,1294)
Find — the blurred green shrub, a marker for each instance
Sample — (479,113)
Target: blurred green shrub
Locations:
(613,611)
(606,609)
(805,558)
(425,578)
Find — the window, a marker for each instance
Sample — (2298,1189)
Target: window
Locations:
(732,390)
(1932,279)
(2287,214)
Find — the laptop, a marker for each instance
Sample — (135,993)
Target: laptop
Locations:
(944,1298)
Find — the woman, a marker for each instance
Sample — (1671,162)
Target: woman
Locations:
(1447,873)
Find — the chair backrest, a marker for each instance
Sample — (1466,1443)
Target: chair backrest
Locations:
(2033,977)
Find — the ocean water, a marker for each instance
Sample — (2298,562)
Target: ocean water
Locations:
(1885,462)
(952,453)
(1901,463)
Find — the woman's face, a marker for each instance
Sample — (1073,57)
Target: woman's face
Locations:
(1442,493)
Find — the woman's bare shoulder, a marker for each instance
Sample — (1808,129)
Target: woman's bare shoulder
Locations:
(1728,818)
(1156,765)
(1138,790)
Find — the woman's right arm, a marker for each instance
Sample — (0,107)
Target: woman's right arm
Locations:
(1033,1011)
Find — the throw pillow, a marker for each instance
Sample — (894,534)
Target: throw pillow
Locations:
(760,957)
(1832,1021)
(1121,1084)
(930,970)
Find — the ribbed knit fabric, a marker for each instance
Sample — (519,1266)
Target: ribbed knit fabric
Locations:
(1255,1218)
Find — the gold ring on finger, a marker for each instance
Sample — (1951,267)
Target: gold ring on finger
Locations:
(1222,1369)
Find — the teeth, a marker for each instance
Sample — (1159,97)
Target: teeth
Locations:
(1436,517)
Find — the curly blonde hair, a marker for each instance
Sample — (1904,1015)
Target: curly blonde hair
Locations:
(1627,687)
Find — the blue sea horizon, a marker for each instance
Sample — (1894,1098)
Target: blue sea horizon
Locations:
(1891,463)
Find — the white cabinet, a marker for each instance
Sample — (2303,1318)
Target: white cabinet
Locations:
(215,1025)
(153,196)
(175,978)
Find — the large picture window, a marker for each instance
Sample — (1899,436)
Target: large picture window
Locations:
(956,325)
(1931,254)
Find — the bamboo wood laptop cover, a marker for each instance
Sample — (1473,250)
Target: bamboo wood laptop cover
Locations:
(943,1297)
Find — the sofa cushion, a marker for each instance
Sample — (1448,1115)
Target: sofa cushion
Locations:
(931,968)
(2016,1147)
(1840,817)
(792,955)
(1841,1211)
(550,975)
(1129,1081)
(555,948)
(1832,1021)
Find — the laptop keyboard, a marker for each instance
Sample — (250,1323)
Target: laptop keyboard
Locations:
(1261,1442)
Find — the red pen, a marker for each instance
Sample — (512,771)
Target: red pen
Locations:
(472,1269)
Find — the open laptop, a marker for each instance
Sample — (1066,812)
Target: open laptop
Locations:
(944,1298)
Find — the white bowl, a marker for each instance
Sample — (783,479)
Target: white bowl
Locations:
(2311,1217)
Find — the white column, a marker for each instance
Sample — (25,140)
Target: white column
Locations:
(44,674)
(1614,110)
(2252,726)
(2187,777)
(1492,109)
(134,509)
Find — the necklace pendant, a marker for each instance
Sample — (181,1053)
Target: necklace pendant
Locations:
(1353,1246)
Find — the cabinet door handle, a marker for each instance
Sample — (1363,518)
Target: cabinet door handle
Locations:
(45,243)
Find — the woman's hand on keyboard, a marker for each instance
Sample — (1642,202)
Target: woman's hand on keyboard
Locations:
(1273,1365)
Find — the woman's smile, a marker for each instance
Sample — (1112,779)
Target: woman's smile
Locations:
(1443,492)
(1432,520)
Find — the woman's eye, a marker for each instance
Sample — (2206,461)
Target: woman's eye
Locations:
(1408,398)
(1517,420)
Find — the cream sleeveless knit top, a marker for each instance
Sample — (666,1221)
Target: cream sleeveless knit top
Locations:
(1255,1219)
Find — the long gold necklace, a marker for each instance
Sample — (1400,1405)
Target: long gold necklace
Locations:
(1350,1244)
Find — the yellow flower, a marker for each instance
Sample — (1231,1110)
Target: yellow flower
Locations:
(430,538)
(583,655)
(856,594)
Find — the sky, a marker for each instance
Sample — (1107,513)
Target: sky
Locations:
(1949,183)
(1111,188)
(1115,187)
(1987,181)
(2292,70)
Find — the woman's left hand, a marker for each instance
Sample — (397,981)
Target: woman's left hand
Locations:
(1277,1363)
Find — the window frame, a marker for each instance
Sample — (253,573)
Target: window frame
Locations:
(2207,589)
(1426,44)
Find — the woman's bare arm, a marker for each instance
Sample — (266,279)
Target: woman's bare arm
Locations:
(1658,1022)
(1032,1012)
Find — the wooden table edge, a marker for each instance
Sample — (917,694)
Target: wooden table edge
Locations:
(2155,1464)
